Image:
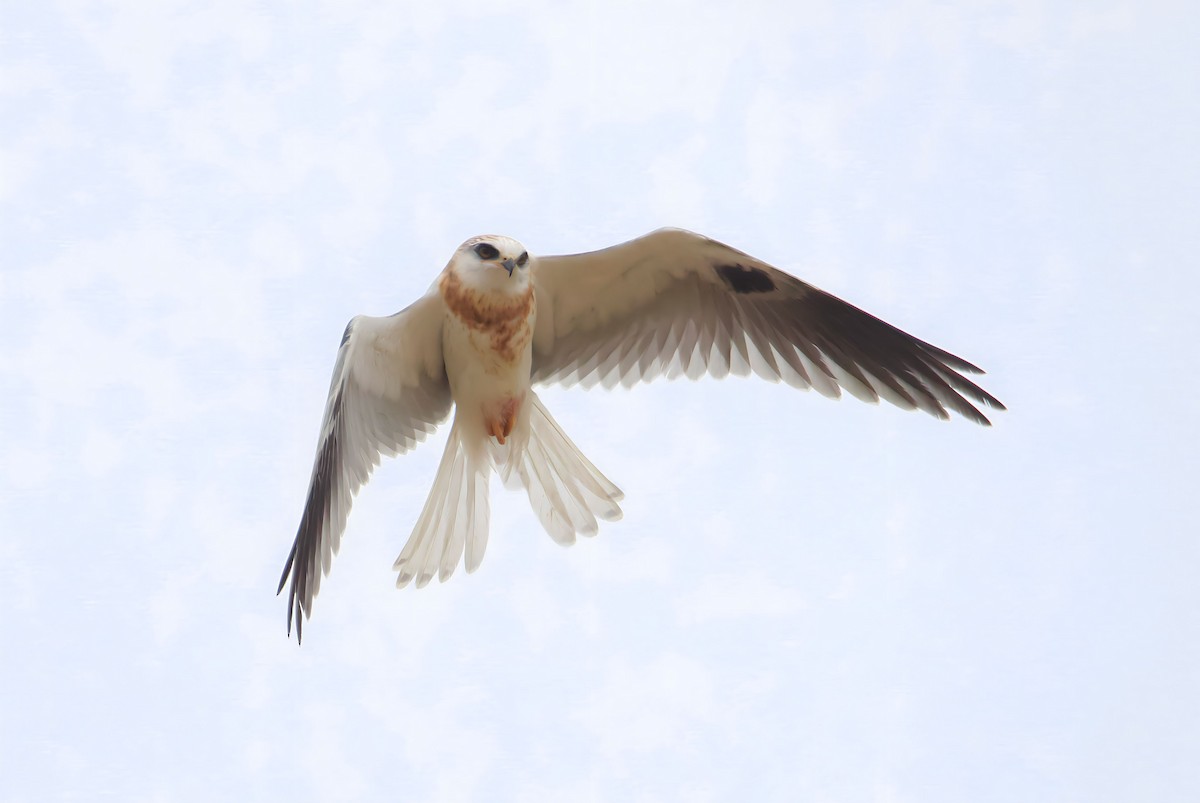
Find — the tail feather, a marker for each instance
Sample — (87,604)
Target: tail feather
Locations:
(448,527)
(556,507)
(604,493)
(480,512)
(456,535)
(568,494)
(565,490)
(451,519)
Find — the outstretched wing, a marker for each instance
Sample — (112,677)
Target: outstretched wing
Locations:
(677,303)
(389,390)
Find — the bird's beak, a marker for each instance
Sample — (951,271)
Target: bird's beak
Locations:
(508,265)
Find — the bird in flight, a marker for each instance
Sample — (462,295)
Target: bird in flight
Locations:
(499,320)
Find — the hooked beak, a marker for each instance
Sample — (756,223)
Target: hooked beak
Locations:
(508,265)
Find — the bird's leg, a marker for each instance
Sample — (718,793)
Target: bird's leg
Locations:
(499,422)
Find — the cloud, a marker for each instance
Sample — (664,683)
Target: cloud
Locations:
(732,596)
(648,706)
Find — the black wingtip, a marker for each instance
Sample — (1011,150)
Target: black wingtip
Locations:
(287,570)
(292,613)
(987,399)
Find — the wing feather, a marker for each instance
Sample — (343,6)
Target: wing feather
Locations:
(388,392)
(680,304)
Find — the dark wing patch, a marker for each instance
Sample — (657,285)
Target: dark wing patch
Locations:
(743,279)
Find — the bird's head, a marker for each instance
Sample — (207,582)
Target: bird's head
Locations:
(492,262)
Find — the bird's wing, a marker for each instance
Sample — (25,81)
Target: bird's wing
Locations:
(389,390)
(676,303)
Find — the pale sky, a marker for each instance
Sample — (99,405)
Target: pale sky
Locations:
(805,600)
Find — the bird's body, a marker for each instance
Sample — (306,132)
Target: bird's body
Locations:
(497,321)
(487,341)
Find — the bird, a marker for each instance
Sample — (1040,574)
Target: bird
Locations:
(498,320)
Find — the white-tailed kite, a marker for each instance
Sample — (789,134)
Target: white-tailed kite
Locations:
(498,320)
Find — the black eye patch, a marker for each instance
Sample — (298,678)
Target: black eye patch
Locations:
(521,260)
(486,251)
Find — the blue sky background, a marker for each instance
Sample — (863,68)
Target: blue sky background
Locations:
(805,600)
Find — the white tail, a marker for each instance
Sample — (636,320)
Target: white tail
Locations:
(566,491)
(455,516)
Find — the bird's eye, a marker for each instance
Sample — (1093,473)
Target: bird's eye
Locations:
(521,260)
(486,251)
